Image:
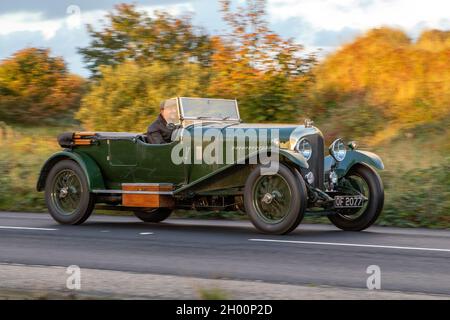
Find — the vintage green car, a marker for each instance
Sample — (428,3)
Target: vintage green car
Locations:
(274,173)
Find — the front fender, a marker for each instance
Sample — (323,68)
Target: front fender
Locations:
(294,157)
(87,164)
(284,156)
(353,157)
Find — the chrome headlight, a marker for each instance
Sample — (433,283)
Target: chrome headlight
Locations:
(304,147)
(338,150)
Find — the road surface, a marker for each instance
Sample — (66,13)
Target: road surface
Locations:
(410,260)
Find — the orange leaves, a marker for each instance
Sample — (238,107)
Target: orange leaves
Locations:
(257,66)
(35,86)
(404,82)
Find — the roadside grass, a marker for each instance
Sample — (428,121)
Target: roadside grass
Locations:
(10,294)
(22,153)
(416,178)
(212,294)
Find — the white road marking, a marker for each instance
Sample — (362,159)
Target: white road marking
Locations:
(351,245)
(30,265)
(145,233)
(27,228)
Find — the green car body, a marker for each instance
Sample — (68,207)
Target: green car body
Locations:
(111,160)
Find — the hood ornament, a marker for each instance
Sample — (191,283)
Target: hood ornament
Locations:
(308,123)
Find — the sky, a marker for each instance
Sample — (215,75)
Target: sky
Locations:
(317,24)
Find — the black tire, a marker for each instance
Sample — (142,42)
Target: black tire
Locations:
(375,204)
(153,215)
(287,194)
(68,202)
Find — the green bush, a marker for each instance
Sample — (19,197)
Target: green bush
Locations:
(128,96)
(418,198)
(21,157)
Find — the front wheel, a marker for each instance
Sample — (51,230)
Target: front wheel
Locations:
(367,182)
(67,194)
(153,215)
(275,203)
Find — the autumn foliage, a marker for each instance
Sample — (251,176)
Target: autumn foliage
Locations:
(35,86)
(139,61)
(128,96)
(381,80)
(132,35)
(384,79)
(266,73)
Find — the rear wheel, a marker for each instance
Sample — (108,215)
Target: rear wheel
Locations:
(275,203)
(67,194)
(153,215)
(367,182)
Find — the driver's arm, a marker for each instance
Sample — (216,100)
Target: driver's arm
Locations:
(155,137)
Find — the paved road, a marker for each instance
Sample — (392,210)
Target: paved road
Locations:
(411,260)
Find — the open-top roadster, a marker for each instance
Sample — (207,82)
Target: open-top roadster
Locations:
(274,173)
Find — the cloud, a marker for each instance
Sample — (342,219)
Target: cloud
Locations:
(327,24)
(62,33)
(28,21)
(73,18)
(314,23)
(64,43)
(362,14)
(53,9)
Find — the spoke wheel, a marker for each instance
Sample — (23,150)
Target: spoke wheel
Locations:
(365,180)
(275,203)
(67,193)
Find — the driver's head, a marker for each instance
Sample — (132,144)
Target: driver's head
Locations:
(168,113)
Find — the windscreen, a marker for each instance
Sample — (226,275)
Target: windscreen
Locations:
(214,109)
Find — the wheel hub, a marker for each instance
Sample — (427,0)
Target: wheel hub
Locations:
(63,192)
(267,199)
(272,198)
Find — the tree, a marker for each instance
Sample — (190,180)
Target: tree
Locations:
(383,80)
(265,72)
(434,40)
(36,87)
(127,97)
(133,35)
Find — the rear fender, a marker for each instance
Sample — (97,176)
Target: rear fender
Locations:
(87,164)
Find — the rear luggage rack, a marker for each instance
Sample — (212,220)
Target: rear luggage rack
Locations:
(72,139)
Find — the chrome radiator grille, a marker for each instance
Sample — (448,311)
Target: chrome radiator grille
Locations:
(316,162)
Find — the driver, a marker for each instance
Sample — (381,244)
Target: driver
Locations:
(160,131)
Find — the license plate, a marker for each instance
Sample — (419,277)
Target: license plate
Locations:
(348,202)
